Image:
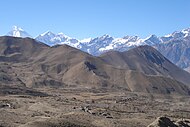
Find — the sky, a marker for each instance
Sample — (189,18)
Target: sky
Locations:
(91,18)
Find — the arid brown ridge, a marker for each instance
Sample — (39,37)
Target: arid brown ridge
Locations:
(31,64)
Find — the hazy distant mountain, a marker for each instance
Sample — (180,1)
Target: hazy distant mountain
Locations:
(18,32)
(142,69)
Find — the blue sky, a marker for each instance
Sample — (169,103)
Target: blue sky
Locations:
(92,18)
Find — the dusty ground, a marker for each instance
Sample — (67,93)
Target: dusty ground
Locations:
(88,108)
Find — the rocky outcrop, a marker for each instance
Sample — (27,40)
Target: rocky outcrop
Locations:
(167,122)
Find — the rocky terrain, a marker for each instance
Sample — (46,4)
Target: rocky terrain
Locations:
(166,122)
(60,86)
(91,108)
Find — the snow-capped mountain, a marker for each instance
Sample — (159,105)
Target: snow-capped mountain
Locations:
(176,35)
(46,38)
(105,43)
(152,40)
(18,32)
(94,46)
(98,45)
(174,46)
(52,39)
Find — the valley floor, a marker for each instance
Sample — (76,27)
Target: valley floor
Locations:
(88,108)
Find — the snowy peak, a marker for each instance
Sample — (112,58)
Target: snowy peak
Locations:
(186,32)
(52,39)
(62,35)
(47,33)
(131,38)
(46,37)
(152,40)
(16,28)
(176,35)
(86,40)
(100,44)
(153,36)
(105,37)
(18,32)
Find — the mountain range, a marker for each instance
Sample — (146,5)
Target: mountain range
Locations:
(27,63)
(174,46)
